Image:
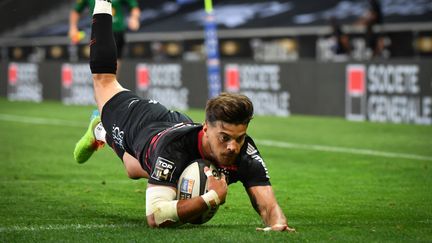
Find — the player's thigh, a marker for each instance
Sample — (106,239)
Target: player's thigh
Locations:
(105,87)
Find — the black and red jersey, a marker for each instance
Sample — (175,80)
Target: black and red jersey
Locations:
(165,142)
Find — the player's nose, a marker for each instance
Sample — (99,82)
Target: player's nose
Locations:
(233,147)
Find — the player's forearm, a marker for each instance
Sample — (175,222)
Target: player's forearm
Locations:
(273,216)
(73,19)
(189,209)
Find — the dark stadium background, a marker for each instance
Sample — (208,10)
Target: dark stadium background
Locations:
(267,50)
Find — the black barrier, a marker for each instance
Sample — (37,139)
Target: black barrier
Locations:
(3,79)
(398,91)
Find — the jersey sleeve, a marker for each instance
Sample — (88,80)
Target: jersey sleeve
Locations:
(80,5)
(252,166)
(131,3)
(169,163)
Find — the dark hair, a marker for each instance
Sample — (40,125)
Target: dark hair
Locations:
(229,108)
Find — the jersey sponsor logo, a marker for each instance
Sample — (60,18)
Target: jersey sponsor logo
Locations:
(251,149)
(253,152)
(132,102)
(163,170)
(186,188)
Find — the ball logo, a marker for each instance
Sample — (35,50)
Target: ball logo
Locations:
(232,78)
(187,187)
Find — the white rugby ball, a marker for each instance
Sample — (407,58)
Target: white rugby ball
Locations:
(193,183)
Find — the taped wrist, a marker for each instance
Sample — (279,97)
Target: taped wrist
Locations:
(103,50)
(160,202)
(211,198)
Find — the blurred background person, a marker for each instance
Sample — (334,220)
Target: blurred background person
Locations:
(341,40)
(119,24)
(373,17)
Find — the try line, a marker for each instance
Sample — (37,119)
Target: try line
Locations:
(278,144)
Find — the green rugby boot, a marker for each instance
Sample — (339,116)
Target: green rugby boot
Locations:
(88,144)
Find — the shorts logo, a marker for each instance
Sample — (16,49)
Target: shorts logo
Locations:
(163,170)
(186,188)
(117,136)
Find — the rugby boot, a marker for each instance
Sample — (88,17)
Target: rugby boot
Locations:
(88,144)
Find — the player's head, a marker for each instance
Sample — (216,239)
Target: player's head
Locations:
(230,108)
(227,118)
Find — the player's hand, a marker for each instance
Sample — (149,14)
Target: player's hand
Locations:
(133,23)
(219,185)
(73,33)
(277,227)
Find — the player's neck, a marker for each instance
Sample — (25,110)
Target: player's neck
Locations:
(205,147)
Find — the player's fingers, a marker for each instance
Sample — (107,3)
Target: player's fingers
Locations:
(290,229)
(277,227)
(264,229)
(208,171)
(222,176)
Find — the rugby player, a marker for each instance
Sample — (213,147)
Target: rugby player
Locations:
(158,144)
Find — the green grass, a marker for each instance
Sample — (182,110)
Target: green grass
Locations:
(327,196)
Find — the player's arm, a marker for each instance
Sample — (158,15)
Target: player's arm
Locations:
(74,18)
(134,19)
(264,202)
(134,15)
(162,208)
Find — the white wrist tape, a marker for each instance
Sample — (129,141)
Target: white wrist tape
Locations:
(102,6)
(208,173)
(160,202)
(211,198)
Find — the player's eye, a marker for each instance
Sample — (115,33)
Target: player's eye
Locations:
(224,138)
(240,139)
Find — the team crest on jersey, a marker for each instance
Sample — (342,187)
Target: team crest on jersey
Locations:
(163,170)
(186,188)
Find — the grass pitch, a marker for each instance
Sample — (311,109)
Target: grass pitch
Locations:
(335,180)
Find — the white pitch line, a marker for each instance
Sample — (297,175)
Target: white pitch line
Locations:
(40,121)
(280,144)
(341,150)
(17,228)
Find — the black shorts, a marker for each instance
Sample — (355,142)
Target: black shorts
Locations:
(131,121)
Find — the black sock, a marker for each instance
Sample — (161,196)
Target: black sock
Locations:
(103,51)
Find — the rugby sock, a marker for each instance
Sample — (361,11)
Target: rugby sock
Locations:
(102,6)
(100,133)
(103,50)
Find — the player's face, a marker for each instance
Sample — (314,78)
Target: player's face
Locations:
(224,141)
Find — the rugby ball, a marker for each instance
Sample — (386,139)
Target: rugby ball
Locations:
(193,183)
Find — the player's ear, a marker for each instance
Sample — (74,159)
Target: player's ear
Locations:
(205,127)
